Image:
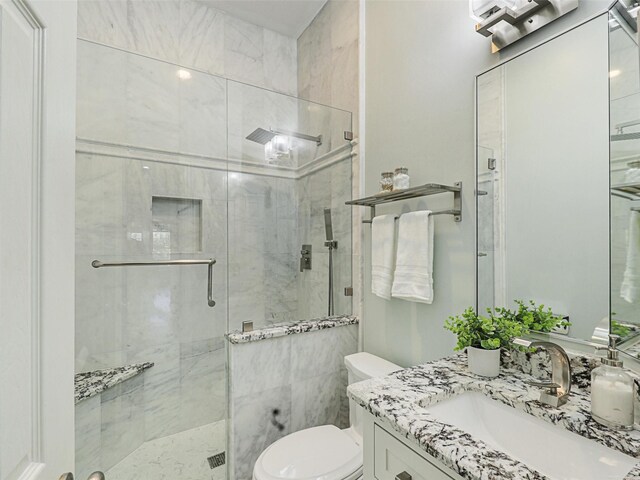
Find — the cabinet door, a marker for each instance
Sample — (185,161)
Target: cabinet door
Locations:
(396,461)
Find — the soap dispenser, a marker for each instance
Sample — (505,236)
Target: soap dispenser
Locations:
(612,391)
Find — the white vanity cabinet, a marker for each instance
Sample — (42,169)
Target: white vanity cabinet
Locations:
(388,456)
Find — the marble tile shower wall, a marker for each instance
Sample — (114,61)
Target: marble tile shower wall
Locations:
(132,315)
(303,376)
(193,34)
(263,250)
(328,73)
(327,188)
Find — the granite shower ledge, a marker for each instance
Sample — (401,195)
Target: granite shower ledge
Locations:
(400,400)
(290,328)
(89,384)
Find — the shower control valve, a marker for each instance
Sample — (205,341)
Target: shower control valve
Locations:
(305,258)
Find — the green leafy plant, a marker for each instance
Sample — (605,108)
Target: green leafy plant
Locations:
(537,318)
(618,328)
(488,332)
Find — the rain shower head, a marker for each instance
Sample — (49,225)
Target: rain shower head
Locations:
(261,136)
(327,224)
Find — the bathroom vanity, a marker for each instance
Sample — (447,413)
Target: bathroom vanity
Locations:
(438,421)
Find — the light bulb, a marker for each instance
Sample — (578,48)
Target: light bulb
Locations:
(479,10)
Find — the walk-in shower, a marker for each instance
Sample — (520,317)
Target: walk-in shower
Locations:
(168,180)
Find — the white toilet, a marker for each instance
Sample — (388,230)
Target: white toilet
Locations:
(325,452)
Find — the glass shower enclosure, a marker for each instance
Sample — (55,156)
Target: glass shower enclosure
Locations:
(167,181)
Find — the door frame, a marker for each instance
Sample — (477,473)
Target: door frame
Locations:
(52,231)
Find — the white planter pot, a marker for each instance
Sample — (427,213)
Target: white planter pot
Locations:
(484,362)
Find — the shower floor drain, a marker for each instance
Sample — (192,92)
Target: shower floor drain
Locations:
(216,460)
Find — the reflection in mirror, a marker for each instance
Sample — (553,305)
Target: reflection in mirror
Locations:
(543,179)
(624,87)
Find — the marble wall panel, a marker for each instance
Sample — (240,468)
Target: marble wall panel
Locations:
(301,375)
(326,188)
(251,108)
(263,250)
(123,421)
(195,35)
(328,57)
(253,430)
(88,419)
(158,314)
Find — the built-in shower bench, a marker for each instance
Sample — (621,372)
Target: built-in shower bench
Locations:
(88,384)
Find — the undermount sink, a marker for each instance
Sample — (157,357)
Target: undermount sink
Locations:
(549,449)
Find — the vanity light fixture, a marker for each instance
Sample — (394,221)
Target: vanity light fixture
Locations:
(614,73)
(507,21)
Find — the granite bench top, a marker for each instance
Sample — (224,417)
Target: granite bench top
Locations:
(88,384)
(401,398)
(290,328)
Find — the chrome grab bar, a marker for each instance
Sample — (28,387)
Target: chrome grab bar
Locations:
(210,262)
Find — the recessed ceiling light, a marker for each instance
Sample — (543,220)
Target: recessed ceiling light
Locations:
(183,74)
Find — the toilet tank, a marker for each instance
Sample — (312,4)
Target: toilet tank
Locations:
(362,366)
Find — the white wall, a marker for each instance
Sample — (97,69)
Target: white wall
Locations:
(420,64)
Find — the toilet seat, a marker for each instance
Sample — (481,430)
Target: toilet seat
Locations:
(318,453)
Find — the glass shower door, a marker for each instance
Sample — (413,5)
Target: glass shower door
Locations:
(151,188)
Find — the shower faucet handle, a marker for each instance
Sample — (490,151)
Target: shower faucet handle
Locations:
(305,258)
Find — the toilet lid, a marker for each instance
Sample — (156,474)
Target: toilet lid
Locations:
(318,453)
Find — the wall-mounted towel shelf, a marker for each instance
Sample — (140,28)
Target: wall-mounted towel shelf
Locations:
(626,190)
(416,192)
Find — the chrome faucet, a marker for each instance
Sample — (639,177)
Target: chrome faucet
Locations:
(556,391)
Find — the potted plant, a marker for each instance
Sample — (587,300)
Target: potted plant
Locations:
(537,318)
(483,336)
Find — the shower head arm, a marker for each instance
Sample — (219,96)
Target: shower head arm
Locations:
(302,136)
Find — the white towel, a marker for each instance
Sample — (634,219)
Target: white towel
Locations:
(413,279)
(383,233)
(630,289)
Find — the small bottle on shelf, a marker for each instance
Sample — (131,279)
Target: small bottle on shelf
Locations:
(401,180)
(386,182)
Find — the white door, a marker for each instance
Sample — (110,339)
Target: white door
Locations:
(37,130)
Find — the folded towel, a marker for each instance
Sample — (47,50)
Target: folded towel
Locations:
(413,278)
(383,233)
(630,289)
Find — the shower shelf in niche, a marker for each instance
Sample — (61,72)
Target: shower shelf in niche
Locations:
(416,192)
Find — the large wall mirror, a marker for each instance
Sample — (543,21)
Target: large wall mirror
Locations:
(624,65)
(544,137)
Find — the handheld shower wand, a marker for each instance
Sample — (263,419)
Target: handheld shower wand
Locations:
(332,245)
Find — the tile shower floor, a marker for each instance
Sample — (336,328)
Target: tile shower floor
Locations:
(183,455)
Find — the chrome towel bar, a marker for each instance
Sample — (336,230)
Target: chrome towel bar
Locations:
(210,262)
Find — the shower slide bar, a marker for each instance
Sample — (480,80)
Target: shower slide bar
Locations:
(210,262)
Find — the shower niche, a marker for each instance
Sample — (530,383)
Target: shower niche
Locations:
(177,225)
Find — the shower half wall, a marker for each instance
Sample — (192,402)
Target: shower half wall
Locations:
(164,171)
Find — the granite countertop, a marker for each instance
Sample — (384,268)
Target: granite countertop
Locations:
(290,328)
(397,399)
(88,384)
